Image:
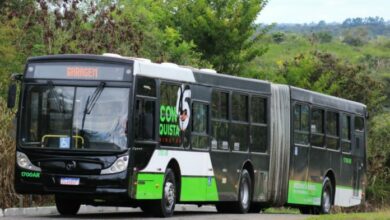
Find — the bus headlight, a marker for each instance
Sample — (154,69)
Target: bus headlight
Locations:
(25,163)
(119,165)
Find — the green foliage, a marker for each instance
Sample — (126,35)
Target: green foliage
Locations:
(324,37)
(327,74)
(356,37)
(278,37)
(223,31)
(378,190)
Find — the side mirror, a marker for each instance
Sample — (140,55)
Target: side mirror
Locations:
(11,96)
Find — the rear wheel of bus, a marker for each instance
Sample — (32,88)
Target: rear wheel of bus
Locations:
(244,197)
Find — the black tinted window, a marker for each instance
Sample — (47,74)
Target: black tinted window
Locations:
(239,107)
(359,124)
(301,124)
(220,105)
(258,110)
(146,87)
(200,117)
(332,122)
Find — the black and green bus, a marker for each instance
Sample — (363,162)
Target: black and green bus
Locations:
(118,131)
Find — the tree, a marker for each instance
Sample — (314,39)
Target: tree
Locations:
(326,73)
(356,37)
(223,31)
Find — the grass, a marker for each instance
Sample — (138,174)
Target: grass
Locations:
(282,210)
(383,215)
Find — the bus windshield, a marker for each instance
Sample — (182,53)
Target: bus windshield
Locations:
(75,118)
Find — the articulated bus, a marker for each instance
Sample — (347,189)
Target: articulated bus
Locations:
(116,131)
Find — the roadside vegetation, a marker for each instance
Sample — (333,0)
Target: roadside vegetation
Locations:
(349,60)
(380,215)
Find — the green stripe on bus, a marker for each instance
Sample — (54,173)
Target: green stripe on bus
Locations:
(198,189)
(149,186)
(304,193)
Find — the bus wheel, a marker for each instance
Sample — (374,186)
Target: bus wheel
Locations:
(166,206)
(67,206)
(327,196)
(244,193)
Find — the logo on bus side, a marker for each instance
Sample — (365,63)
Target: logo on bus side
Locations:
(174,120)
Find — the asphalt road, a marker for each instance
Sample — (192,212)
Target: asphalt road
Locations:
(182,213)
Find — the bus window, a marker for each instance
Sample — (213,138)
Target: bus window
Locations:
(146,87)
(239,107)
(239,135)
(258,115)
(170,134)
(301,124)
(220,117)
(332,130)
(346,133)
(359,124)
(258,111)
(317,128)
(144,120)
(220,105)
(199,137)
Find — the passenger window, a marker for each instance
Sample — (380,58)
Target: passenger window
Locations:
(259,129)
(359,124)
(258,110)
(346,133)
(317,128)
(301,124)
(239,107)
(220,105)
(219,125)
(332,130)
(199,138)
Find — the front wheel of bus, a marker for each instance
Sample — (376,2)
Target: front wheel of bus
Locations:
(66,206)
(166,206)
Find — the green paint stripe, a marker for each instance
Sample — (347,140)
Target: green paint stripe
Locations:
(198,189)
(304,193)
(149,185)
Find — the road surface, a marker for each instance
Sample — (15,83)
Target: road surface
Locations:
(182,212)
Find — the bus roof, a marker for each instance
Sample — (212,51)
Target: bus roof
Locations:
(327,101)
(191,74)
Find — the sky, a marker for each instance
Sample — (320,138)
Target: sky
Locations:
(307,11)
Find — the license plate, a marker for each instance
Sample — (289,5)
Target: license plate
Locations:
(70,181)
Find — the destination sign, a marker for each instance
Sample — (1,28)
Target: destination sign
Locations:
(79,71)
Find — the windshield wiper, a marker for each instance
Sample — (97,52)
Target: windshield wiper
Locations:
(58,101)
(91,101)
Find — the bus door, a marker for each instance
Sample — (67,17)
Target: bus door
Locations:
(298,192)
(359,155)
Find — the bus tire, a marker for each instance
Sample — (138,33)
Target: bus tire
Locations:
(244,193)
(166,206)
(326,196)
(66,206)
